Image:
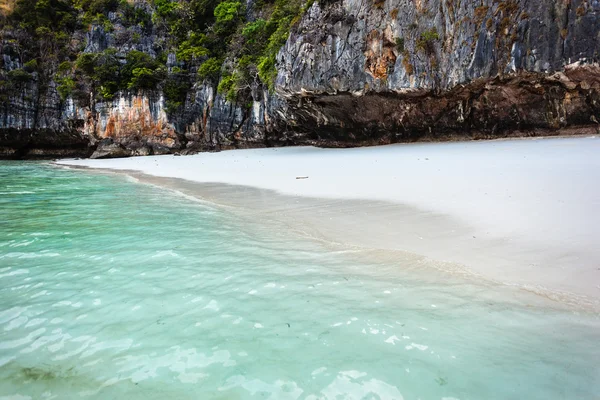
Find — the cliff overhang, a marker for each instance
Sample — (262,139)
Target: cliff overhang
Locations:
(517,104)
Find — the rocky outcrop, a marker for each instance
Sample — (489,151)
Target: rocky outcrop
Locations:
(353,72)
(134,125)
(363,72)
(37,123)
(518,104)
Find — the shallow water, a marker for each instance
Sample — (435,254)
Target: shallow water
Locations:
(112,289)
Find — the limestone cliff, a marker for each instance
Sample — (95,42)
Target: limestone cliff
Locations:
(381,71)
(351,72)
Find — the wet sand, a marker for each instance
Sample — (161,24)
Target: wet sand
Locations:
(517,212)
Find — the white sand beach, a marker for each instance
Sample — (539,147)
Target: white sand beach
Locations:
(520,212)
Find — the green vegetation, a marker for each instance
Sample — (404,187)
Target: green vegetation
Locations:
(107,75)
(65,87)
(175,89)
(141,71)
(192,48)
(227,15)
(19,76)
(228,86)
(101,71)
(212,40)
(261,41)
(54,15)
(400,44)
(210,69)
(206,33)
(426,41)
(31,65)
(135,16)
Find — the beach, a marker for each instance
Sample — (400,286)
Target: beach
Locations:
(521,213)
(127,285)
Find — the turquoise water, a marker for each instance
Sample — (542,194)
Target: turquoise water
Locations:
(112,289)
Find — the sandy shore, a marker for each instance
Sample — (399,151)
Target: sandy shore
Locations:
(519,212)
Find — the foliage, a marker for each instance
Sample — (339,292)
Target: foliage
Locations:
(400,44)
(165,8)
(267,71)
(211,39)
(55,15)
(228,86)
(135,15)
(31,65)
(96,11)
(192,47)
(143,78)
(255,48)
(430,35)
(179,18)
(254,30)
(94,7)
(105,72)
(175,89)
(427,40)
(266,66)
(19,76)
(65,67)
(227,13)
(86,63)
(141,71)
(210,69)
(65,87)
(102,71)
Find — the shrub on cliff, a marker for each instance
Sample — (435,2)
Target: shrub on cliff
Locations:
(175,89)
(102,72)
(210,69)
(19,76)
(208,37)
(427,40)
(55,15)
(65,87)
(227,14)
(193,47)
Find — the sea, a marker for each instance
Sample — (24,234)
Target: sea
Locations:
(115,289)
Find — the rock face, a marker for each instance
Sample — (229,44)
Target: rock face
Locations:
(381,71)
(137,124)
(352,72)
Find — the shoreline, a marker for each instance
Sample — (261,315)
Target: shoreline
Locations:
(303,216)
(39,153)
(380,225)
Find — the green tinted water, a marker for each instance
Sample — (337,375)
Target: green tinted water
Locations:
(112,289)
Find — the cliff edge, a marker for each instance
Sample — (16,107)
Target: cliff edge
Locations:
(153,77)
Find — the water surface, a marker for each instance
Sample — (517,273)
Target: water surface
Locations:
(112,289)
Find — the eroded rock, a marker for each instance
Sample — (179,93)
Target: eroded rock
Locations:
(108,149)
(352,72)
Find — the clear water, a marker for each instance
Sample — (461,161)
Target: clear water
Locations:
(112,289)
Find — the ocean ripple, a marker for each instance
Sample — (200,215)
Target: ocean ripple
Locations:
(127,291)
